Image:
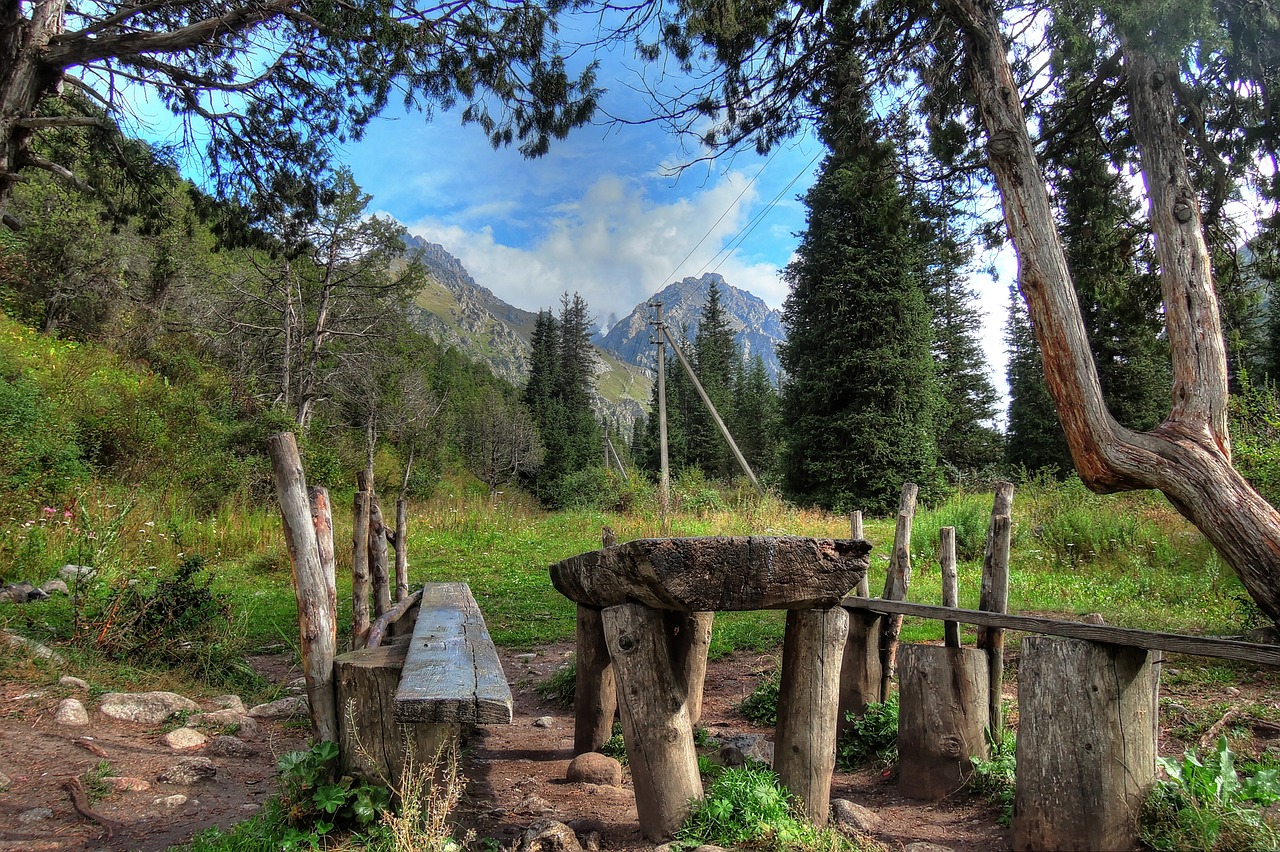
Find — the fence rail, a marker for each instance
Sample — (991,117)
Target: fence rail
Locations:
(1224,649)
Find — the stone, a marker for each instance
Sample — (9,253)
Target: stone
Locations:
(526,658)
(749,746)
(849,817)
(229,702)
(283,708)
(125,784)
(184,738)
(544,722)
(31,815)
(177,800)
(145,708)
(549,835)
(707,847)
(594,768)
(52,587)
(72,573)
(226,746)
(533,805)
(922,846)
(215,719)
(17,592)
(73,682)
(71,712)
(32,647)
(189,770)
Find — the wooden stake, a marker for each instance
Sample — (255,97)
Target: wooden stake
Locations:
(401,544)
(950,583)
(317,628)
(360,571)
(595,691)
(648,656)
(942,701)
(994,597)
(379,569)
(805,751)
(322,520)
(855,531)
(896,583)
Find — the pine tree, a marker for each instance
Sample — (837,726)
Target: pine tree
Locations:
(716,358)
(753,419)
(858,405)
(1034,441)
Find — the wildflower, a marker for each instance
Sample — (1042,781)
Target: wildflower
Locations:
(48,510)
(66,513)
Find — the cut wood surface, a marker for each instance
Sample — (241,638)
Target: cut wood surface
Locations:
(1201,646)
(715,574)
(452,672)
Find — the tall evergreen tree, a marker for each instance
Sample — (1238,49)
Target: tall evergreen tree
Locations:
(1035,441)
(859,402)
(716,358)
(753,419)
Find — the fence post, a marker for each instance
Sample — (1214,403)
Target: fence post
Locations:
(895,584)
(994,597)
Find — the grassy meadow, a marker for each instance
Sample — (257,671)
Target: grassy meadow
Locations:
(208,590)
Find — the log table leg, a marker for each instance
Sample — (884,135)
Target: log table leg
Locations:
(942,718)
(804,754)
(695,670)
(860,668)
(649,653)
(1086,744)
(595,691)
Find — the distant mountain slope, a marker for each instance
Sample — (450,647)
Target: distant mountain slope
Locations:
(458,311)
(758,328)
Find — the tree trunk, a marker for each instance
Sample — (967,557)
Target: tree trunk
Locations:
(24,80)
(595,690)
(1188,456)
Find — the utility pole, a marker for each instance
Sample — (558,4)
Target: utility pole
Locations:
(664,481)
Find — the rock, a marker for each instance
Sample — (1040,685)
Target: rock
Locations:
(284,708)
(751,746)
(215,719)
(229,702)
(50,587)
(591,842)
(707,847)
(184,738)
(20,593)
(1231,691)
(189,770)
(225,746)
(731,757)
(544,722)
(177,800)
(73,573)
(595,768)
(145,708)
(533,805)
(125,784)
(33,648)
(853,818)
(31,815)
(549,836)
(921,846)
(73,682)
(71,712)
(526,658)
(1092,618)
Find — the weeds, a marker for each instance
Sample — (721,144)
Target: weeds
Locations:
(761,706)
(873,736)
(560,686)
(427,793)
(995,779)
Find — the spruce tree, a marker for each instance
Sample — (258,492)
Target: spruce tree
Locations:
(859,401)
(716,357)
(753,418)
(1034,441)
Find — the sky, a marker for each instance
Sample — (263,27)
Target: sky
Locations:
(606,213)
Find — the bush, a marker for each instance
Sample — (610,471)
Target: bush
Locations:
(996,778)
(970,514)
(874,735)
(761,706)
(600,489)
(695,494)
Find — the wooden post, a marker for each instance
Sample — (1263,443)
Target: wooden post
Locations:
(805,751)
(317,625)
(360,570)
(392,617)
(401,544)
(1086,744)
(994,597)
(664,467)
(950,584)
(942,718)
(699,625)
(371,743)
(379,573)
(855,531)
(648,657)
(322,520)
(595,697)
(896,583)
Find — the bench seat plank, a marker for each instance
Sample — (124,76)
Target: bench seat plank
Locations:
(451,672)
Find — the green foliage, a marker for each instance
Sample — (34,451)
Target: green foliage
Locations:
(694,494)
(1206,805)
(95,787)
(761,706)
(969,513)
(746,806)
(314,798)
(561,686)
(996,778)
(874,736)
(615,746)
(1255,434)
(602,489)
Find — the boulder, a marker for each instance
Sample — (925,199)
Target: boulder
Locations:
(229,702)
(189,770)
(549,835)
(184,738)
(51,587)
(145,708)
(71,712)
(226,746)
(851,818)
(284,708)
(73,683)
(595,768)
(74,573)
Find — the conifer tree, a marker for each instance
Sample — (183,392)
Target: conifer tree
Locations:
(716,358)
(859,401)
(1034,441)
(753,419)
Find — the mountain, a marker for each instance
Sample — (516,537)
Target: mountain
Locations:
(757,327)
(460,312)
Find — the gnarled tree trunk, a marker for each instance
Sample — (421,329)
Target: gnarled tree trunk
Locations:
(1188,456)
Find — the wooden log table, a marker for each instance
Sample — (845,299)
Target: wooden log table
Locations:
(639,607)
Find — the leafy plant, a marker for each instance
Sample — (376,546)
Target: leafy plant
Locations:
(873,736)
(313,798)
(94,785)
(996,778)
(1207,805)
(761,706)
(615,747)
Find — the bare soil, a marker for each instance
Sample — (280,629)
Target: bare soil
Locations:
(515,773)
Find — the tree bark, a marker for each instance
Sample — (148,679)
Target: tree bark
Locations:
(595,695)
(942,721)
(1188,456)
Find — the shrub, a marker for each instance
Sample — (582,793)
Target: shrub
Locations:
(873,736)
(970,514)
(996,778)
(761,706)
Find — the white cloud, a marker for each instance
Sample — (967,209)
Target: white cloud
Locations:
(614,244)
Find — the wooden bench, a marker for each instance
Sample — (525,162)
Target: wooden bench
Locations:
(414,696)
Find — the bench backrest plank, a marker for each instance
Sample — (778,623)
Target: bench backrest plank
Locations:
(452,672)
